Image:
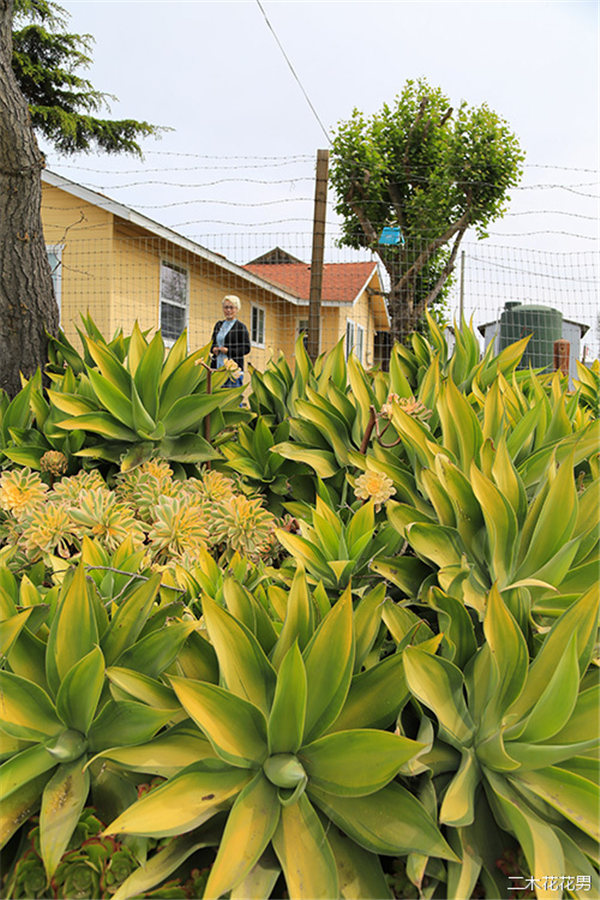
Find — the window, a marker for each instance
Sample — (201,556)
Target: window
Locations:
(349,337)
(173,301)
(360,343)
(54,252)
(257,330)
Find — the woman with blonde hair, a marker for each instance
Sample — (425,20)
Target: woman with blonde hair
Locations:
(230,339)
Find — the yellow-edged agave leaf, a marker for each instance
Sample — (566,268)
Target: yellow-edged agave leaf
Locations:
(141,687)
(74,632)
(555,705)
(509,652)
(575,797)
(162,864)
(10,629)
(509,481)
(260,881)
(467,511)
(130,722)
(304,853)
(439,685)
(359,872)
(144,424)
(456,625)
(244,667)
(367,622)
(536,756)
(438,496)
(581,619)
(360,529)
(165,755)
(129,619)
(392,821)
(303,549)
(101,423)
(323,462)
(62,802)
(156,651)
(148,372)
(329,662)
(538,840)
(108,364)
(26,766)
(112,399)
(246,609)
(287,717)
(578,864)
(184,802)
(71,404)
(402,621)
(582,724)
(458,805)
(188,413)
(26,711)
(401,515)
(298,623)
(501,525)
(250,826)
(492,752)
(462,877)
(376,696)
(80,691)
(136,349)
(438,543)
(236,729)
(415,435)
(19,807)
(358,762)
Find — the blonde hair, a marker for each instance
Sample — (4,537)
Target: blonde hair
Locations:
(235,301)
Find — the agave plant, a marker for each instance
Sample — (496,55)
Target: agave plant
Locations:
(56,705)
(335,548)
(134,404)
(515,746)
(478,511)
(279,758)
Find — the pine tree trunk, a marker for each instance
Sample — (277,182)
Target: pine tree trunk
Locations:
(27,304)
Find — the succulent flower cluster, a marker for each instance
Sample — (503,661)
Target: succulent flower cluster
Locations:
(171,519)
(374,485)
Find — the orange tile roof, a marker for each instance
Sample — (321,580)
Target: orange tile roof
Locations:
(342,282)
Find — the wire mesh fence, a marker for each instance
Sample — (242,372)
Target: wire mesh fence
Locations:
(121,267)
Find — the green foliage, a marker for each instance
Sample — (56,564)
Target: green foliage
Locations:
(63,104)
(395,692)
(431,171)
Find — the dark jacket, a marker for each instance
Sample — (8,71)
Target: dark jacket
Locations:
(237,342)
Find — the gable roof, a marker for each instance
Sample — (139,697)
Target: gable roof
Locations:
(342,282)
(130,215)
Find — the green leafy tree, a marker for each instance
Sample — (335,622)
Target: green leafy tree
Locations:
(46,59)
(429,170)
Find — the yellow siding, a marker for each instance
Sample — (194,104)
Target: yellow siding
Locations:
(85,232)
(111,267)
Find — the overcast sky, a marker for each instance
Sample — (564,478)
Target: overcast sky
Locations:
(214,73)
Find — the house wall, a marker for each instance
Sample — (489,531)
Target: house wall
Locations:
(361,313)
(84,231)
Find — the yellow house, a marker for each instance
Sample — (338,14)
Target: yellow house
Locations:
(121,266)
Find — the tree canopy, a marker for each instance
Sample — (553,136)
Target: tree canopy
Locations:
(46,60)
(431,171)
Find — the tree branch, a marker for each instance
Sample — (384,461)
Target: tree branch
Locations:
(422,258)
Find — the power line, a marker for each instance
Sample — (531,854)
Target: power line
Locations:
(280,45)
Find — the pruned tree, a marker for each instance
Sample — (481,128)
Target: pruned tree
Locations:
(430,171)
(40,90)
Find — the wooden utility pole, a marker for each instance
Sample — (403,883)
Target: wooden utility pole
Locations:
(318,249)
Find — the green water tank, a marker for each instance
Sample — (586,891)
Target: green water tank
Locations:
(543,323)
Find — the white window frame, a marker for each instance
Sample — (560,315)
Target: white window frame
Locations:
(186,305)
(261,322)
(359,342)
(350,335)
(56,250)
